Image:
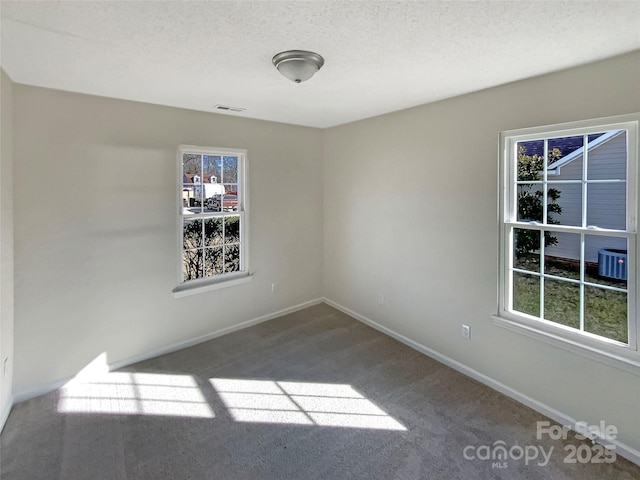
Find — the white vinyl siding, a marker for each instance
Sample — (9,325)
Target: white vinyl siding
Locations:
(566,248)
(606,161)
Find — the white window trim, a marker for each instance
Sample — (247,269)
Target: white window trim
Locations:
(189,289)
(625,357)
(202,285)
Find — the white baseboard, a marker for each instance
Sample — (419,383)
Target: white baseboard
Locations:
(5,413)
(40,390)
(51,386)
(621,448)
(210,336)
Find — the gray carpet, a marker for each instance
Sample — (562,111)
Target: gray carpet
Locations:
(311,395)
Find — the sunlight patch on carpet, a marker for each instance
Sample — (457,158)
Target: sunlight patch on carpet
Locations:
(128,393)
(299,403)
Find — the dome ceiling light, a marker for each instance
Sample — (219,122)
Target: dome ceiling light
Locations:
(298,65)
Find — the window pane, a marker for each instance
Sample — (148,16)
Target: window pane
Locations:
(214,264)
(606,260)
(569,168)
(562,302)
(565,158)
(213,203)
(212,189)
(526,249)
(608,160)
(191,178)
(564,204)
(191,264)
(530,158)
(526,293)
(605,313)
(231,202)
(562,255)
(529,206)
(191,173)
(232,229)
(191,164)
(213,196)
(607,205)
(230,169)
(211,171)
(232,258)
(191,234)
(213,231)
(231,197)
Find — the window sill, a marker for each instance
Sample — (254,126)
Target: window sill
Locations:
(186,290)
(620,361)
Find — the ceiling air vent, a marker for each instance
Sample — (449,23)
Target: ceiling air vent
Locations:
(227,108)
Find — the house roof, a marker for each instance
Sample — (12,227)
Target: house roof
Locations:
(566,145)
(554,168)
(206,177)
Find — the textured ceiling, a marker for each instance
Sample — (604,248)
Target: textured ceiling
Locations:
(379,56)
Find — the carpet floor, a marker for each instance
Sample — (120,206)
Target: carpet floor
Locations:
(310,395)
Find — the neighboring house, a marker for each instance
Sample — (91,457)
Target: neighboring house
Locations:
(606,160)
(191,191)
(187,178)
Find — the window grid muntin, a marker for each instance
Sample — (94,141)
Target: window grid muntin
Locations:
(510,221)
(581,282)
(203,246)
(203,214)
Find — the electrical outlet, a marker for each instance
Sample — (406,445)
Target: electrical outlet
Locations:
(273,287)
(466,331)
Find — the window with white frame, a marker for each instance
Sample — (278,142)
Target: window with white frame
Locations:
(569,203)
(212,205)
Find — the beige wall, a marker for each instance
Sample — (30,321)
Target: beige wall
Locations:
(411,214)
(95,250)
(6,244)
(409,208)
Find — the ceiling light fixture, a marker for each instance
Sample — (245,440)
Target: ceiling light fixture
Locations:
(298,65)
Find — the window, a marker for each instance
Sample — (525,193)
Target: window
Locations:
(213,223)
(569,233)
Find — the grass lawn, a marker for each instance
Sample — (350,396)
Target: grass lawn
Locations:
(605,311)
